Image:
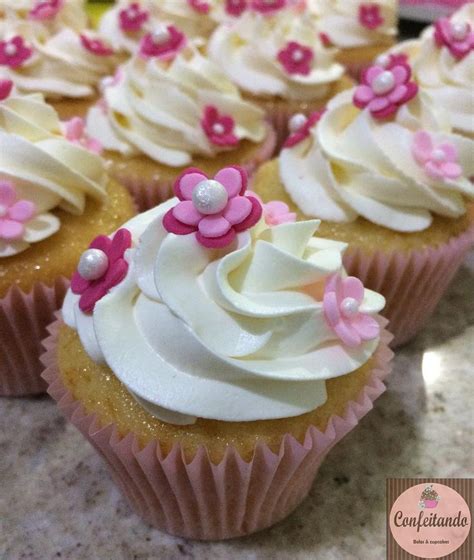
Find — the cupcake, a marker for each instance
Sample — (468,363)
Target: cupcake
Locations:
(170,107)
(360,30)
(279,62)
(385,172)
(224,362)
(443,64)
(52,14)
(54,198)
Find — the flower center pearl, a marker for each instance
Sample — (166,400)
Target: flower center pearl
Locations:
(10,49)
(459,30)
(297,122)
(218,129)
(132,13)
(383,83)
(349,307)
(161,35)
(210,197)
(3,211)
(297,55)
(438,155)
(93,264)
(383,60)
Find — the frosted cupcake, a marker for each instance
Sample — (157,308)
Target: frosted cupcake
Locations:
(386,173)
(237,348)
(54,198)
(52,14)
(171,107)
(279,62)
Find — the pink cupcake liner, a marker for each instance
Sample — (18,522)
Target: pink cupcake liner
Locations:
(203,500)
(412,283)
(24,318)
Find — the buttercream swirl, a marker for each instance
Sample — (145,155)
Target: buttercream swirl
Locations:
(234,334)
(352,164)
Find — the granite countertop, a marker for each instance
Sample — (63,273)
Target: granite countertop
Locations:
(57,500)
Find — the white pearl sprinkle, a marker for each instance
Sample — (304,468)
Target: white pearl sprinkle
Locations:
(349,307)
(383,83)
(218,129)
(438,155)
(383,60)
(459,30)
(3,211)
(210,197)
(297,55)
(161,35)
(93,264)
(132,13)
(11,49)
(297,122)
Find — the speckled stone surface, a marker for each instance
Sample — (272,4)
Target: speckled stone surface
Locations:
(57,500)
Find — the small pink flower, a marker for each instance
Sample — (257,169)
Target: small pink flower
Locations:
(457,36)
(384,91)
(369,15)
(235,7)
(389,61)
(200,6)
(96,46)
(6,87)
(341,305)
(296,58)
(101,268)
(300,127)
(14,52)
(439,162)
(268,6)
(219,128)
(165,43)
(45,10)
(133,17)
(277,212)
(75,132)
(216,209)
(325,39)
(14,213)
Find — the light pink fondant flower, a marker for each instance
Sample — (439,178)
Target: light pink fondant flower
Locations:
(300,127)
(457,36)
(200,6)
(235,7)
(370,16)
(216,209)
(14,212)
(384,91)
(133,17)
(101,268)
(6,87)
(164,43)
(439,162)
(277,212)
(75,132)
(341,305)
(268,6)
(219,128)
(14,52)
(45,10)
(96,46)
(296,58)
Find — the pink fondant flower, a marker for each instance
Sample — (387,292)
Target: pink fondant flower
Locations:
(101,268)
(325,39)
(133,17)
(6,87)
(457,36)
(75,132)
(268,6)
(165,43)
(200,6)
(216,209)
(96,46)
(370,16)
(384,91)
(235,7)
(14,212)
(341,304)
(300,127)
(219,128)
(14,52)
(45,10)
(296,58)
(389,61)
(439,162)
(277,212)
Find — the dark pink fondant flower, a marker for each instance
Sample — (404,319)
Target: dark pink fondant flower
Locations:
(14,52)
(219,128)
(101,268)
(341,304)
(165,43)
(45,10)
(133,17)
(300,127)
(6,87)
(325,39)
(200,6)
(268,6)
(14,212)
(296,58)
(389,61)
(439,162)
(457,36)
(384,91)
(215,209)
(370,16)
(75,132)
(235,7)
(96,46)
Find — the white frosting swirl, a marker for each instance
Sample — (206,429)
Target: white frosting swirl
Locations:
(233,335)
(247,50)
(157,107)
(44,167)
(71,14)
(354,165)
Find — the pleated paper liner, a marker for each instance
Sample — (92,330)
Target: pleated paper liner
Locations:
(24,318)
(203,500)
(412,283)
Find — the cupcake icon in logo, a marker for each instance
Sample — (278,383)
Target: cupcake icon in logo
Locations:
(429,498)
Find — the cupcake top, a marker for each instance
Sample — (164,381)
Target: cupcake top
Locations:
(203,310)
(355,23)
(44,165)
(276,54)
(382,151)
(170,103)
(443,63)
